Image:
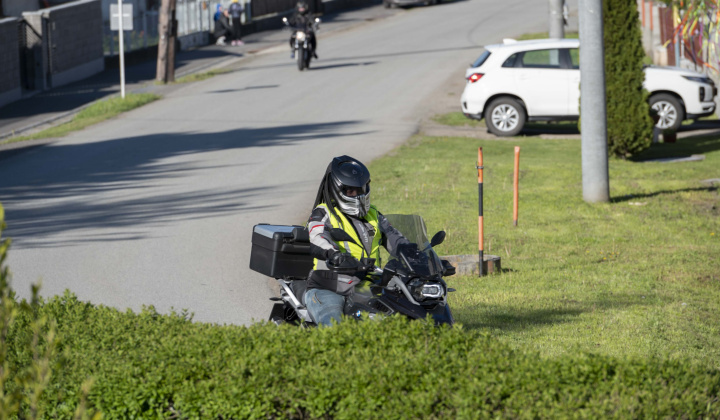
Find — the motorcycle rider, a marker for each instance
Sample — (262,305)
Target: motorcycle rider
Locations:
(343,201)
(303,20)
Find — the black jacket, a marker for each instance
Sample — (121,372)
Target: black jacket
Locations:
(300,21)
(222,26)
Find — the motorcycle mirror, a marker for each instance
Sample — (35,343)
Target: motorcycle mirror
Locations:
(341,236)
(438,238)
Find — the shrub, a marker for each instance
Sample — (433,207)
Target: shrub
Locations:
(629,124)
(28,352)
(149,365)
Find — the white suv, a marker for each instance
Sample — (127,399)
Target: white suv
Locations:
(539,80)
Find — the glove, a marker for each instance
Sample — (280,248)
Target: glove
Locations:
(339,259)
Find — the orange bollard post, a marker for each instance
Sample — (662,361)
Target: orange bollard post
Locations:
(516,177)
(480,211)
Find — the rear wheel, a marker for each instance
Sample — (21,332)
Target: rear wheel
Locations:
(505,117)
(670,111)
(277,314)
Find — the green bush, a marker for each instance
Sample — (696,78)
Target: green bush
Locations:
(629,124)
(148,365)
(28,352)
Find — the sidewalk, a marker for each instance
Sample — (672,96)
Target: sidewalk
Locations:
(52,107)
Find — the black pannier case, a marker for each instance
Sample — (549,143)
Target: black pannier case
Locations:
(281,251)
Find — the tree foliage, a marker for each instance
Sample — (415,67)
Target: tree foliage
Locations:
(629,124)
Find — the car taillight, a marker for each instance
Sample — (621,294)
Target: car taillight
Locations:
(475,77)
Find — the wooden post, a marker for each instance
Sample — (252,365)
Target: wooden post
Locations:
(480,212)
(167,28)
(516,178)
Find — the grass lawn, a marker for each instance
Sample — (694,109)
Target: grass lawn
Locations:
(637,277)
(93,114)
(196,77)
(457,119)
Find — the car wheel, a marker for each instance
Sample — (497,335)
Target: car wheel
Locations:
(670,111)
(505,117)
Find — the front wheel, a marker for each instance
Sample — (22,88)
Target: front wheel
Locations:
(505,117)
(300,55)
(670,111)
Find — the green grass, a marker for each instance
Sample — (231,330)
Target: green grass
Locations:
(457,119)
(636,277)
(93,114)
(196,77)
(543,35)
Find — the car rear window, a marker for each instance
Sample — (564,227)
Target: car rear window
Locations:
(479,62)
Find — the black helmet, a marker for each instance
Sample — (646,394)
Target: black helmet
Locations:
(347,186)
(301,7)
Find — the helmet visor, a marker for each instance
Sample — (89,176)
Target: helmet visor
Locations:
(354,191)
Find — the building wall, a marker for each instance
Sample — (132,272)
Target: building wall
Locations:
(10,59)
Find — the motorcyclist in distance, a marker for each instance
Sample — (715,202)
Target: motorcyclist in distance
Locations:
(343,201)
(303,19)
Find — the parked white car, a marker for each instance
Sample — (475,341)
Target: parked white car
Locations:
(539,80)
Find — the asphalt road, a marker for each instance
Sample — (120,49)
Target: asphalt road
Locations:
(157,206)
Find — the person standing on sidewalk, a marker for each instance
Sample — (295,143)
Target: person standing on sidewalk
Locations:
(236,10)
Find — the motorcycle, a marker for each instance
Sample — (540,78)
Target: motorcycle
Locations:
(410,284)
(303,51)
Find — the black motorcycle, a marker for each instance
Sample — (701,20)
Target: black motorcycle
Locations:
(411,284)
(302,47)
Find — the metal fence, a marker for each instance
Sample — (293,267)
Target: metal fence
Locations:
(192,15)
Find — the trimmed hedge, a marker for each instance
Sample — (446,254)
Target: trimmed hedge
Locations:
(629,125)
(148,365)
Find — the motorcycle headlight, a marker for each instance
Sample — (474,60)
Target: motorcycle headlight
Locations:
(432,291)
(300,36)
(429,291)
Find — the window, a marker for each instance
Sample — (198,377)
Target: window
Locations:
(510,62)
(543,59)
(574,58)
(479,62)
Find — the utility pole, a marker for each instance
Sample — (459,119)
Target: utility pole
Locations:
(593,121)
(167,27)
(557,23)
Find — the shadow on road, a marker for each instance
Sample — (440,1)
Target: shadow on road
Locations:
(74,95)
(333,66)
(71,187)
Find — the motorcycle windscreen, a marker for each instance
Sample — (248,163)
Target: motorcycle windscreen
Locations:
(425,262)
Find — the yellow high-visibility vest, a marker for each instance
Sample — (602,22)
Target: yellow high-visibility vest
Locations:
(356,250)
